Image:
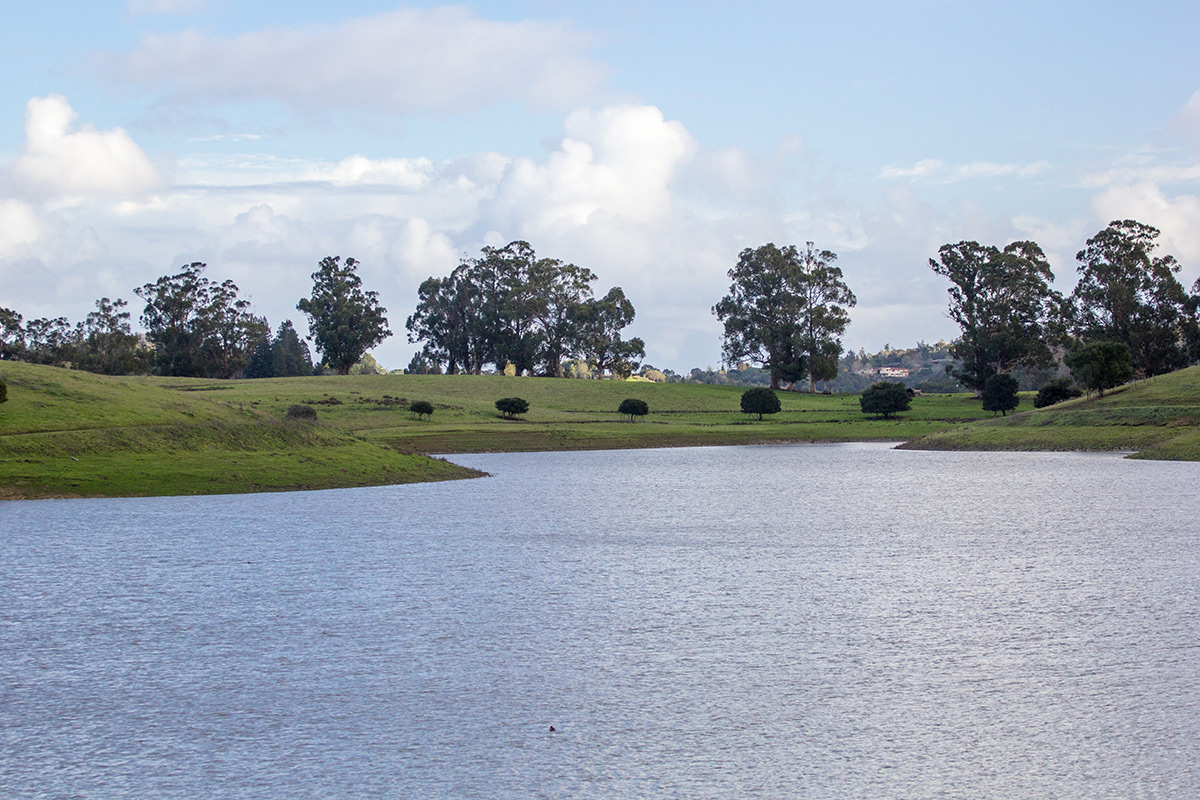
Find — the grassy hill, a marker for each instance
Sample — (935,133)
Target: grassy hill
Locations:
(1157,418)
(66,433)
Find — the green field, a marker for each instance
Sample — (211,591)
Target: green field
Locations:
(66,433)
(1157,418)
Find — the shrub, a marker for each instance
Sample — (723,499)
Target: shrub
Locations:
(1100,365)
(511,406)
(632,407)
(301,411)
(1056,391)
(421,408)
(884,398)
(1000,394)
(760,401)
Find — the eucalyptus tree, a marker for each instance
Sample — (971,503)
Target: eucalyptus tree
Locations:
(1002,301)
(1128,294)
(199,328)
(786,310)
(558,290)
(600,324)
(344,319)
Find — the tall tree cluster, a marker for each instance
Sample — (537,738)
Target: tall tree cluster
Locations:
(509,307)
(104,342)
(200,328)
(1126,296)
(1002,301)
(786,310)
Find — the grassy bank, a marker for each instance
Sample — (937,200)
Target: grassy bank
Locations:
(1157,418)
(73,434)
(66,433)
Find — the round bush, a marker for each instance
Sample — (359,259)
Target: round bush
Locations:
(884,398)
(511,406)
(1056,391)
(421,409)
(760,401)
(632,407)
(300,411)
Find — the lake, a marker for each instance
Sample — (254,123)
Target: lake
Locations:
(817,621)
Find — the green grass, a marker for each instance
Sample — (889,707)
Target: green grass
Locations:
(1158,418)
(66,433)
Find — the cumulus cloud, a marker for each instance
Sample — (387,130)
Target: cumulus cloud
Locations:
(617,162)
(1177,217)
(442,59)
(62,159)
(20,227)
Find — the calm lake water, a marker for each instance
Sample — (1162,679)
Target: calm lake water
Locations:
(777,622)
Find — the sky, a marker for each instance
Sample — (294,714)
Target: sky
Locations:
(648,142)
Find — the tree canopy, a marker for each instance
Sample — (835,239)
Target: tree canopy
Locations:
(884,398)
(760,401)
(632,407)
(510,407)
(510,307)
(1000,394)
(1128,294)
(1002,301)
(199,328)
(787,310)
(1099,366)
(345,320)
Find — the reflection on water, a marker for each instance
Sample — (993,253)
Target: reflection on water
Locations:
(816,621)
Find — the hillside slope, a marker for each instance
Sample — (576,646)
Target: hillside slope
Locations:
(1157,418)
(65,433)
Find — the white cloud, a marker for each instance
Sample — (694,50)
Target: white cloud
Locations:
(65,160)
(20,227)
(933,170)
(442,59)
(618,162)
(1177,218)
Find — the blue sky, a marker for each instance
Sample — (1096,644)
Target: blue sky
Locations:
(648,142)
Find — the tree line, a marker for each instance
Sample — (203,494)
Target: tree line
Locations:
(522,314)
(1127,297)
(196,327)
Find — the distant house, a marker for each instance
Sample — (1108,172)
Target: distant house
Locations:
(892,372)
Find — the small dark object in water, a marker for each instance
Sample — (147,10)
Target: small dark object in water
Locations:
(552,729)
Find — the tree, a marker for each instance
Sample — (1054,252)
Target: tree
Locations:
(559,290)
(12,335)
(760,401)
(1002,301)
(198,328)
(422,408)
(1100,365)
(600,323)
(345,320)
(1055,391)
(107,343)
(786,310)
(884,398)
(1127,294)
(285,356)
(632,407)
(510,407)
(50,341)
(1000,394)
